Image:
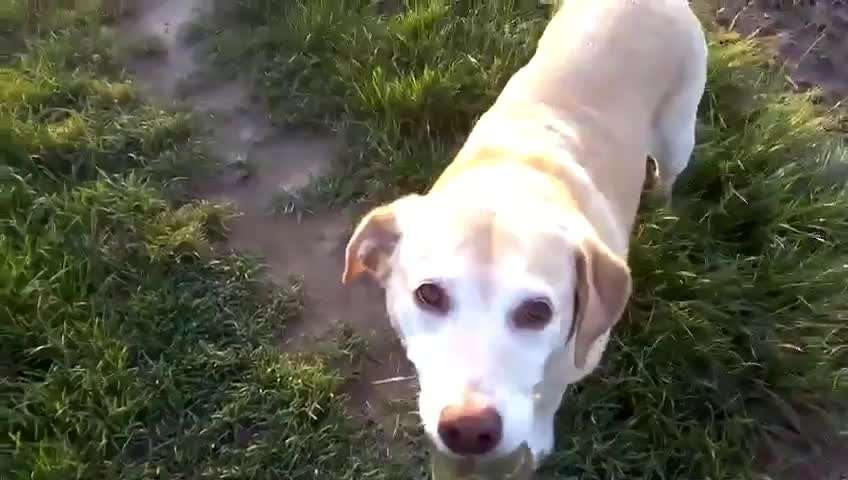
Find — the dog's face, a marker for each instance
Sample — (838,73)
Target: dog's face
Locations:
(496,310)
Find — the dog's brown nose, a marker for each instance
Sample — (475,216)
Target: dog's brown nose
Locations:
(470,429)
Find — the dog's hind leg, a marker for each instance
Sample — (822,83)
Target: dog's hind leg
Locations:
(674,129)
(672,153)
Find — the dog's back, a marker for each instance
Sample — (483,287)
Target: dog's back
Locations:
(597,53)
(623,79)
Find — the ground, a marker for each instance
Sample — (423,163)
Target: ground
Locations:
(145,340)
(809,38)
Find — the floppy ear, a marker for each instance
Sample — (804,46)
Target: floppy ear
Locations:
(373,242)
(603,289)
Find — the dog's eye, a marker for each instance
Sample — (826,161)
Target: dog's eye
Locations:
(532,314)
(431,296)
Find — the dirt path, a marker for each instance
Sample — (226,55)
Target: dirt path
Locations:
(312,246)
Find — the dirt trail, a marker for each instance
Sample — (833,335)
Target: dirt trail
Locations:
(312,247)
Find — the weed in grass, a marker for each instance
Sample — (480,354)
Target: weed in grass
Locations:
(739,310)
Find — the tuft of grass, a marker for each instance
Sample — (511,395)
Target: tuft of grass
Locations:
(288,202)
(133,346)
(738,317)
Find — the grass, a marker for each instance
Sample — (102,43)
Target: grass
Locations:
(133,346)
(403,87)
(738,322)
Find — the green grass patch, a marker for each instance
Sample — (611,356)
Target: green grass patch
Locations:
(739,312)
(133,346)
(405,88)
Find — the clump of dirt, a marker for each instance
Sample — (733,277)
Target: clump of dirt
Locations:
(264,164)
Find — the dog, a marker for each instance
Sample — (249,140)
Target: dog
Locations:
(505,279)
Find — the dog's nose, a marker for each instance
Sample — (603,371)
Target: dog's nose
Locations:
(470,429)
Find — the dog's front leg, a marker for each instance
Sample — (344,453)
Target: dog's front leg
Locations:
(542,442)
(542,437)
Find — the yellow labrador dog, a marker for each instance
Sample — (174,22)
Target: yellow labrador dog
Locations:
(504,280)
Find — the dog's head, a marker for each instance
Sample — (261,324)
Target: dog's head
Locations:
(495,308)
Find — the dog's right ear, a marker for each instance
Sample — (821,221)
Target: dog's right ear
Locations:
(373,242)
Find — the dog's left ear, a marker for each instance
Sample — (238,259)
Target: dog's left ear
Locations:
(373,242)
(603,289)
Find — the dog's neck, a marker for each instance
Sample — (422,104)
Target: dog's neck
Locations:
(538,153)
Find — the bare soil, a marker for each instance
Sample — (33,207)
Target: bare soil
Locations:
(811,38)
